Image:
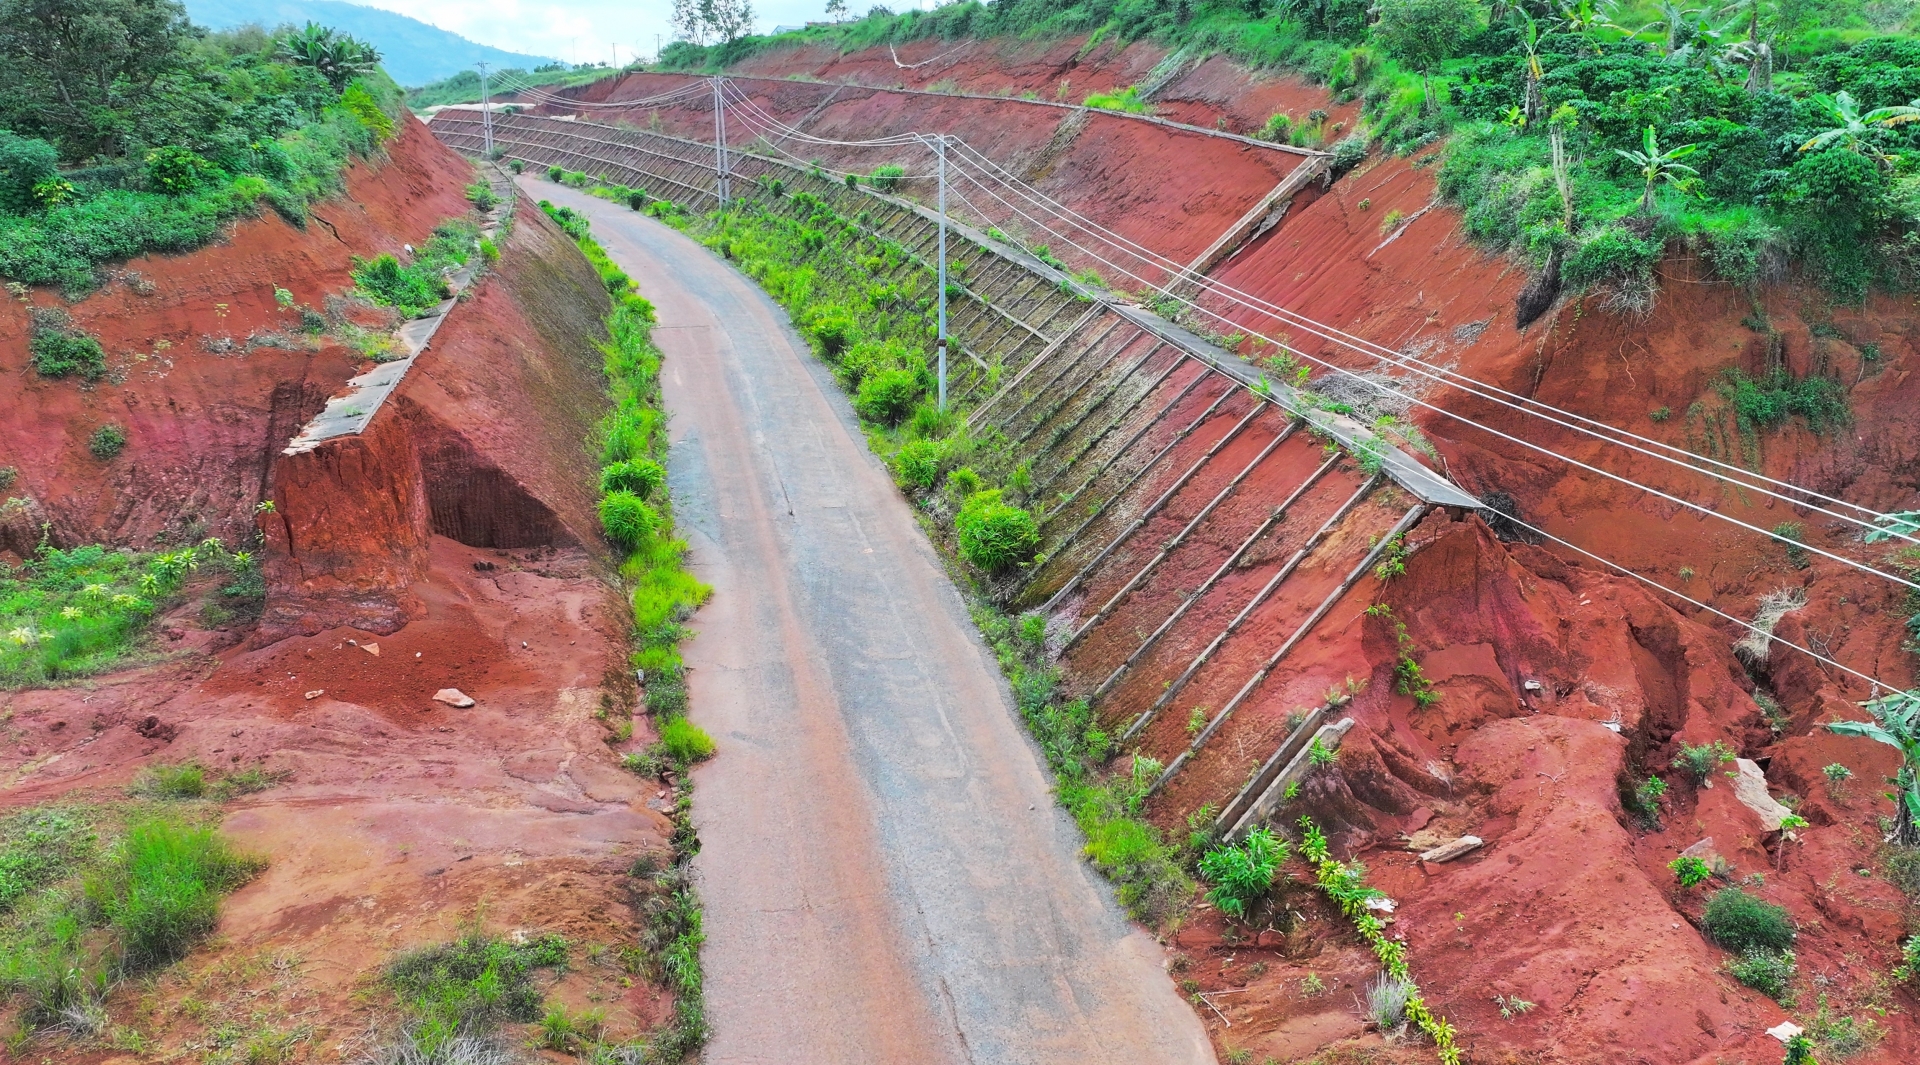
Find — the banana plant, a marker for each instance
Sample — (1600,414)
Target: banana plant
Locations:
(1656,166)
(1675,23)
(1850,127)
(1531,69)
(1896,723)
(339,57)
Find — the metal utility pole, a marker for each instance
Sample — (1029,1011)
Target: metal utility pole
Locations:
(486,112)
(720,175)
(940,344)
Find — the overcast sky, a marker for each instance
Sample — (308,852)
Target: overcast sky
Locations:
(586,30)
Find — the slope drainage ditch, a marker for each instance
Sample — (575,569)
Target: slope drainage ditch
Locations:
(1205,520)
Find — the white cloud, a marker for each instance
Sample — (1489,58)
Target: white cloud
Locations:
(581,30)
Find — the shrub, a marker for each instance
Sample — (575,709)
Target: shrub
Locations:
(917,464)
(886,396)
(641,477)
(176,170)
(1690,871)
(1242,875)
(25,162)
(481,195)
(886,178)
(1766,971)
(160,888)
(411,289)
(185,781)
(963,482)
(685,741)
(993,535)
(1700,762)
(627,519)
(367,111)
(107,441)
(59,353)
(1275,128)
(554,173)
(1738,921)
(834,329)
(518,166)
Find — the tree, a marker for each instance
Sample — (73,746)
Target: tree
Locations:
(1850,127)
(334,54)
(1656,166)
(67,67)
(25,162)
(1426,33)
(1896,723)
(700,21)
(837,10)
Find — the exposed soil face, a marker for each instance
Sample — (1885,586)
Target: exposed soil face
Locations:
(1557,680)
(209,376)
(453,545)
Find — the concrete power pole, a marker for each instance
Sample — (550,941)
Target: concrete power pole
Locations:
(940,345)
(721,179)
(486,112)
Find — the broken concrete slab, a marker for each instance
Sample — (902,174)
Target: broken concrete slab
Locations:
(1750,787)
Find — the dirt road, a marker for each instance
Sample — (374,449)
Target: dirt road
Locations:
(885,874)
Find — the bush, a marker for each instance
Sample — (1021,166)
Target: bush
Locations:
(107,441)
(1766,971)
(554,173)
(917,464)
(25,162)
(993,535)
(59,353)
(410,289)
(641,477)
(1700,762)
(1690,871)
(1242,875)
(481,195)
(176,170)
(685,741)
(627,519)
(834,329)
(886,178)
(886,396)
(1739,922)
(160,889)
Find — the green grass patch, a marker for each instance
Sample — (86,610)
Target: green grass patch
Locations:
(81,611)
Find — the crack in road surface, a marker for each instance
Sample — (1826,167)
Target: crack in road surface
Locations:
(872,768)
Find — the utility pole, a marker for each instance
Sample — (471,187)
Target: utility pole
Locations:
(720,175)
(486,111)
(940,344)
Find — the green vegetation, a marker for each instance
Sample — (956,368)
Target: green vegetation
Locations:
(185,781)
(1690,871)
(126,130)
(58,350)
(1127,99)
(464,87)
(73,613)
(1740,922)
(1567,124)
(456,995)
(993,535)
(1700,761)
(1345,885)
(91,896)
(1896,723)
(1242,874)
(416,287)
(107,441)
(1769,972)
(633,448)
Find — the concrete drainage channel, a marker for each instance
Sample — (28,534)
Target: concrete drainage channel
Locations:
(350,412)
(1158,449)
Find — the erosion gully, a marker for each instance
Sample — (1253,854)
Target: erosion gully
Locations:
(885,874)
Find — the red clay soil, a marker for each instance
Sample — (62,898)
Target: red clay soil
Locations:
(1536,656)
(1065,152)
(205,367)
(460,528)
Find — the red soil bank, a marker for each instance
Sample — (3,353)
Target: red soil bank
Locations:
(454,453)
(202,400)
(1533,652)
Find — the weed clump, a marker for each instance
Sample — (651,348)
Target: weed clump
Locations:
(995,536)
(684,741)
(107,441)
(1738,921)
(60,352)
(1242,874)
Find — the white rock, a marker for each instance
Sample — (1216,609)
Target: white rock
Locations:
(1785,1030)
(1447,852)
(453,697)
(1750,787)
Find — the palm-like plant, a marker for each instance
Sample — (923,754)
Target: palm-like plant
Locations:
(1532,71)
(336,55)
(1656,166)
(1850,128)
(1676,24)
(1896,723)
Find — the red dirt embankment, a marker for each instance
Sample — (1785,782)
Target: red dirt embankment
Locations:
(453,545)
(209,376)
(1557,681)
(1065,152)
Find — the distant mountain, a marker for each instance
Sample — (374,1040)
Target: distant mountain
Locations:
(413,52)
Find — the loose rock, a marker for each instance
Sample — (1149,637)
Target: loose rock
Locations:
(453,697)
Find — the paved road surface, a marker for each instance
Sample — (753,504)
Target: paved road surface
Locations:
(885,875)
